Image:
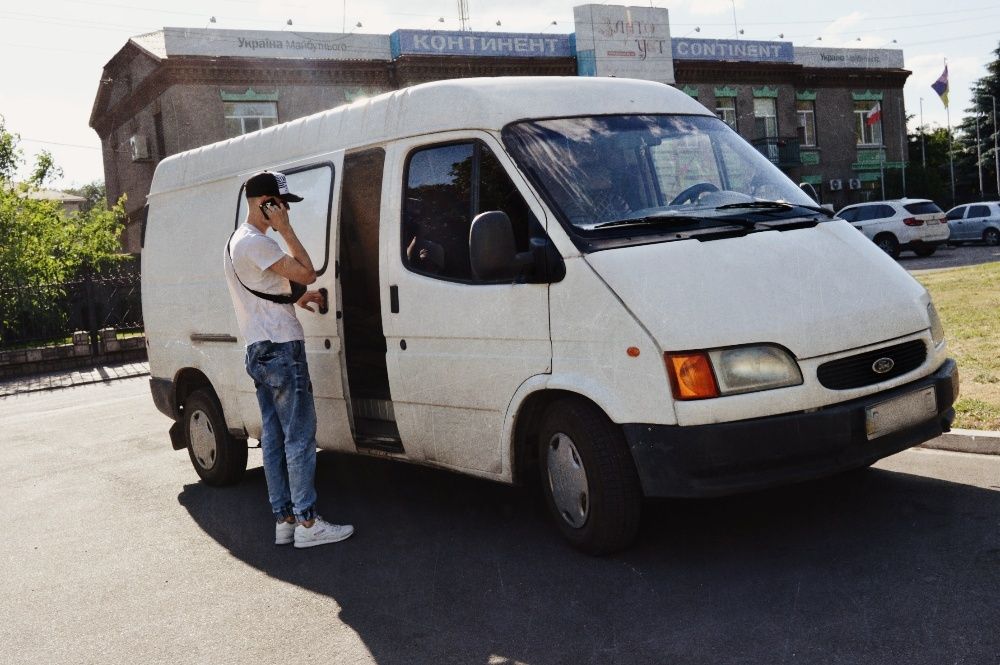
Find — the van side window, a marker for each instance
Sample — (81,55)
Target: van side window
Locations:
(311,216)
(956,213)
(446,187)
(978,211)
(849,215)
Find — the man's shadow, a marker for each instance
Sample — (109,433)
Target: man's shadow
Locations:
(871,566)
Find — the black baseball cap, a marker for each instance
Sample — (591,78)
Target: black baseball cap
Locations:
(270,183)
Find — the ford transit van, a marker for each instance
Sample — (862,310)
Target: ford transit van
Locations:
(593,284)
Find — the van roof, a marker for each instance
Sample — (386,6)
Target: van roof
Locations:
(472,103)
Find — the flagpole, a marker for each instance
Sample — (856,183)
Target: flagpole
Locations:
(923,150)
(951,153)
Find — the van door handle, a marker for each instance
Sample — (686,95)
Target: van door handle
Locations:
(325,307)
(394,299)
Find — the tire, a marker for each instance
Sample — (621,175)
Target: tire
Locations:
(991,237)
(888,244)
(218,457)
(925,251)
(588,477)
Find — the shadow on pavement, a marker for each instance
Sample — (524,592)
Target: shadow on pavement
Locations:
(869,567)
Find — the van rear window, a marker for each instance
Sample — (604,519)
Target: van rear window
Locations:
(922,208)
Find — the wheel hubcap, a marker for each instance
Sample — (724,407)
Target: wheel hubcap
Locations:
(568,481)
(202,438)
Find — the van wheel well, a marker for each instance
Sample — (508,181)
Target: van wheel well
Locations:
(186,382)
(526,428)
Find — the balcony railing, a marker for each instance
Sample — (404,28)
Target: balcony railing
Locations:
(782,151)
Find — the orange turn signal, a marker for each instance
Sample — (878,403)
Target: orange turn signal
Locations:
(691,375)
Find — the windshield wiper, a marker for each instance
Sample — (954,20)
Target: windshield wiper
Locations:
(773,205)
(653,220)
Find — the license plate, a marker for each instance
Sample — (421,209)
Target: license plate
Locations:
(900,412)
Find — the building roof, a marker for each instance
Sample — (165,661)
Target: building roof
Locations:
(55,195)
(152,42)
(455,104)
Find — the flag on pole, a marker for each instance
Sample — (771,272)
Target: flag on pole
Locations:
(941,86)
(874,115)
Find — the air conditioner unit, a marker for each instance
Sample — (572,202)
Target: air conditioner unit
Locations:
(836,185)
(139,148)
(854,183)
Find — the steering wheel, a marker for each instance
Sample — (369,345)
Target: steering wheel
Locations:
(692,193)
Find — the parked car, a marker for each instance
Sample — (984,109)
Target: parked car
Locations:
(917,225)
(975,221)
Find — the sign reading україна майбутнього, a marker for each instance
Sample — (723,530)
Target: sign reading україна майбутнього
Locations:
(273,44)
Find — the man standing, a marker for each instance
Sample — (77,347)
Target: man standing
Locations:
(259,275)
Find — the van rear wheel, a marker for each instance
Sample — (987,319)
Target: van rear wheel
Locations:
(218,457)
(589,479)
(991,237)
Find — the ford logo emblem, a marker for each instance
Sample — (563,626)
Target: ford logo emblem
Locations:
(883,365)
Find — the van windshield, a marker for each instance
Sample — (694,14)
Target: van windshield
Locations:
(605,174)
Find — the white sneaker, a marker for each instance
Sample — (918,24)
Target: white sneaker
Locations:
(321,533)
(284,533)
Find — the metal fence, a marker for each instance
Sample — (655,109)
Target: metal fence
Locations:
(49,314)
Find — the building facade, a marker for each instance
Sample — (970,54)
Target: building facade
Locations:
(832,118)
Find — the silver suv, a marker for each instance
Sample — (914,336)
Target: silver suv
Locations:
(918,225)
(975,221)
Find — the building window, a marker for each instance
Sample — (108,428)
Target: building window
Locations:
(866,132)
(806,110)
(245,117)
(725,108)
(765,117)
(161,142)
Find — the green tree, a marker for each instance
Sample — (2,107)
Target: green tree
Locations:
(96,194)
(41,245)
(984,91)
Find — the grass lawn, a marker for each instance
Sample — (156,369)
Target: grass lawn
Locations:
(968,301)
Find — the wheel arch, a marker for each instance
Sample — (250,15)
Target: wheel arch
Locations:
(527,421)
(186,381)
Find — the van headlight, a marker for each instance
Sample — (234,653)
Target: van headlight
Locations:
(937,330)
(718,372)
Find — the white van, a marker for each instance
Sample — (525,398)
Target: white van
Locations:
(589,282)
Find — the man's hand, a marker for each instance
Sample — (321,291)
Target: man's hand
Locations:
(277,217)
(311,297)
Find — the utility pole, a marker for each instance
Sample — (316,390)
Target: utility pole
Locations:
(463,14)
(996,149)
(979,158)
(903,144)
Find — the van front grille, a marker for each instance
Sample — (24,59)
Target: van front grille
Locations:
(857,371)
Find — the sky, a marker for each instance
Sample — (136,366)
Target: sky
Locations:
(54,50)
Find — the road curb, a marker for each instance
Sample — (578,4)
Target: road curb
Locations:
(967,441)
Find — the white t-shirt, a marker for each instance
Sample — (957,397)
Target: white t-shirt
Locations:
(253,253)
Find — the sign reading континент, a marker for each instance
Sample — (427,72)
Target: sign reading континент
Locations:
(449,42)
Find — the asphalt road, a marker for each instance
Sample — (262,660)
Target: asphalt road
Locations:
(114,553)
(951,257)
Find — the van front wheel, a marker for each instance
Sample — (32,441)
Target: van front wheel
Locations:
(588,477)
(218,457)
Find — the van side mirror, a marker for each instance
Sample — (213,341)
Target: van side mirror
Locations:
(809,190)
(492,251)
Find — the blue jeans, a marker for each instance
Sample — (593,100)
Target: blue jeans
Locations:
(288,438)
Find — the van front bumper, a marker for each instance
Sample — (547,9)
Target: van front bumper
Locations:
(727,458)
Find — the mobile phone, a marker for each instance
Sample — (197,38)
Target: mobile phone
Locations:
(269,204)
